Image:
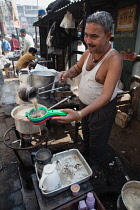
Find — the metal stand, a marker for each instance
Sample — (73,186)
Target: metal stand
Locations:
(21,145)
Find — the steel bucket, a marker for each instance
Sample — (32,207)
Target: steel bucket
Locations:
(41,79)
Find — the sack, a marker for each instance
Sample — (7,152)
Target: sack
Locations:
(59,37)
(55,5)
(68,21)
(121,119)
(54,51)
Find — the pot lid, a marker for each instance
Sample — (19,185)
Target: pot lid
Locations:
(24,71)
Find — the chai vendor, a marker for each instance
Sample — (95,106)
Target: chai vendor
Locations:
(100,66)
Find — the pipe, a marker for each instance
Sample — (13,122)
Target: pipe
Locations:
(50,90)
(65,99)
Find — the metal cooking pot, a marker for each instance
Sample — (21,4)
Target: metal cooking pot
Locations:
(22,123)
(41,79)
(131,195)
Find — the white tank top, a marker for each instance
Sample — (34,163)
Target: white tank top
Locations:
(89,89)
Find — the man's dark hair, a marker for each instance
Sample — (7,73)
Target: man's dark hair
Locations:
(32,49)
(13,35)
(1,36)
(23,30)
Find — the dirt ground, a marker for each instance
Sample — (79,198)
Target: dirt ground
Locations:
(125,141)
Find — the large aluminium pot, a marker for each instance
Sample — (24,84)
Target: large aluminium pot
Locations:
(23,125)
(41,79)
(131,195)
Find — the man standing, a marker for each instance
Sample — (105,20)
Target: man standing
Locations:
(100,67)
(6,48)
(28,41)
(14,43)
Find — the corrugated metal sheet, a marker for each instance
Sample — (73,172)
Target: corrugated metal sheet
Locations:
(78,8)
(73,7)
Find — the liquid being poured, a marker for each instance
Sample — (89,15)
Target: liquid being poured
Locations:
(37,113)
(35,103)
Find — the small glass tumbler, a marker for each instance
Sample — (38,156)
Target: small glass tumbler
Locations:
(75,188)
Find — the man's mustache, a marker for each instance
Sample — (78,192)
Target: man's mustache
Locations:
(90,45)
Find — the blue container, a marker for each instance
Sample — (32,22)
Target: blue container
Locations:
(41,12)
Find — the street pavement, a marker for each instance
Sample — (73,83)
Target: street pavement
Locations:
(10,188)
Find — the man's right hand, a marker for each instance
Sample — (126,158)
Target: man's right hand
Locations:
(63,76)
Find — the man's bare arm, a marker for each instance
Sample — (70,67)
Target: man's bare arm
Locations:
(74,70)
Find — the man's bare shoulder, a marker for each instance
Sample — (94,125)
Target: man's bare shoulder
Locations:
(84,56)
(86,53)
(78,66)
(115,55)
(114,61)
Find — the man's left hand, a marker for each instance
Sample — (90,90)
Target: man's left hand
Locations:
(70,117)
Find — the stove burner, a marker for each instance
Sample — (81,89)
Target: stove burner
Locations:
(25,141)
(22,148)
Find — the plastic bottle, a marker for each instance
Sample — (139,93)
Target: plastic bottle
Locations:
(90,201)
(82,205)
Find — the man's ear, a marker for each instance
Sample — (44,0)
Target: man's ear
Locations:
(108,35)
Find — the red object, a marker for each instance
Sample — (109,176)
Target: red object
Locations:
(14,44)
(128,56)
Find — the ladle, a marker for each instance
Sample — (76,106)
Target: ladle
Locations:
(27,93)
(52,83)
(46,113)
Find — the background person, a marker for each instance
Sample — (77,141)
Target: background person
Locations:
(6,47)
(1,74)
(25,59)
(14,43)
(4,63)
(28,41)
(101,67)
(7,37)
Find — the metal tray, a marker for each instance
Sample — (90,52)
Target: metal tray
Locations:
(72,166)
